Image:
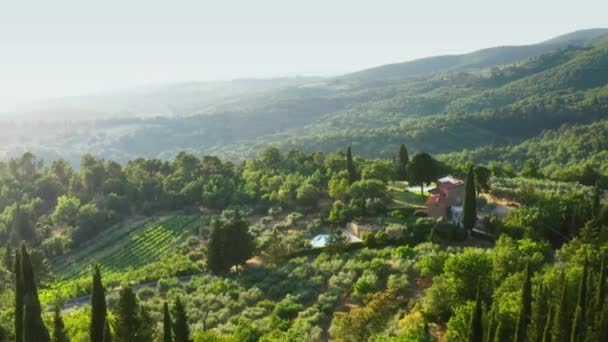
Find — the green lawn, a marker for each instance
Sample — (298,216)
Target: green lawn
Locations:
(405,199)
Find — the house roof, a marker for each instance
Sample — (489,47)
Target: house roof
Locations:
(449,182)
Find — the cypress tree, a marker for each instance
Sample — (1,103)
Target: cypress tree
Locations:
(469,215)
(350,167)
(600,292)
(127,321)
(603,323)
(18,297)
(498,333)
(8,257)
(579,322)
(491,323)
(402,163)
(521,331)
(561,322)
(167,332)
(3,334)
(107,333)
(98,307)
(577,326)
(546,336)
(540,313)
(34,329)
(596,200)
(180,326)
(476,323)
(59,334)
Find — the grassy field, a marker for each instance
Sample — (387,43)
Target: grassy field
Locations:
(128,245)
(402,198)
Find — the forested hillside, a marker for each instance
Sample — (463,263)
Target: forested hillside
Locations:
(441,104)
(203,249)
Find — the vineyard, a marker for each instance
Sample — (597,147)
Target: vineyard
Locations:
(129,246)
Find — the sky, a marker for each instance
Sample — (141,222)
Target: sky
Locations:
(66,48)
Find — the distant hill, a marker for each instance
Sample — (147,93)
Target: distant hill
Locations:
(179,99)
(492,97)
(485,58)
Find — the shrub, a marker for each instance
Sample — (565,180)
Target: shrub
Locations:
(145,293)
(397,282)
(366,284)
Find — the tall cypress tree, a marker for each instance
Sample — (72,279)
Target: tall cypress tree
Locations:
(539,313)
(603,323)
(498,334)
(546,336)
(98,307)
(577,326)
(350,167)
(59,334)
(402,163)
(8,257)
(596,200)
(34,329)
(561,323)
(18,297)
(521,331)
(180,326)
(107,333)
(600,292)
(127,322)
(476,323)
(469,215)
(167,332)
(579,323)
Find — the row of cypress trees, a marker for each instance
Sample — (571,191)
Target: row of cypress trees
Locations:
(546,320)
(131,324)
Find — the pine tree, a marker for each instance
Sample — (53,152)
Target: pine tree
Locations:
(561,323)
(350,167)
(59,334)
(402,163)
(469,216)
(521,330)
(167,332)
(34,329)
(19,296)
(126,313)
(107,333)
(476,323)
(180,326)
(98,307)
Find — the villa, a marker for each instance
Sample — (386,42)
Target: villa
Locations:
(446,198)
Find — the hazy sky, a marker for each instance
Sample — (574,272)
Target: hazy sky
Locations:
(59,47)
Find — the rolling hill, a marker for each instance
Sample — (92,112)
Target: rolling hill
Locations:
(442,104)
